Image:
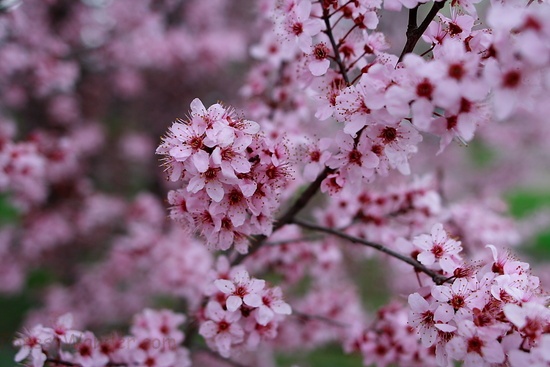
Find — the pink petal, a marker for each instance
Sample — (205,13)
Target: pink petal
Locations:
(225,286)
(195,184)
(418,303)
(492,352)
(281,307)
(253,300)
(240,164)
(319,67)
(426,258)
(215,190)
(264,315)
(233,303)
(197,108)
(201,160)
(223,343)
(23,353)
(209,329)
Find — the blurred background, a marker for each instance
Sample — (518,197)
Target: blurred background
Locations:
(86,90)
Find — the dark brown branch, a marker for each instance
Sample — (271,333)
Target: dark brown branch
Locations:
(328,31)
(414,32)
(437,278)
(302,201)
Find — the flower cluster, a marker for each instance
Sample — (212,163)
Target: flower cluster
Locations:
(154,342)
(482,317)
(390,340)
(241,311)
(232,175)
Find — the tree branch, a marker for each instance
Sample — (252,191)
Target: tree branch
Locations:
(413,32)
(436,277)
(337,59)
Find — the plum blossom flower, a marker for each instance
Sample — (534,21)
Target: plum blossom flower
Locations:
(272,304)
(241,290)
(419,91)
(221,329)
(476,346)
(438,247)
(461,298)
(62,329)
(355,161)
(422,316)
(532,320)
(398,142)
(299,25)
(88,353)
(31,345)
(318,61)
(159,324)
(316,157)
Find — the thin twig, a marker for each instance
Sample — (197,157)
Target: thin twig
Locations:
(293,240)
(319,317)
(330,36)
(436,277)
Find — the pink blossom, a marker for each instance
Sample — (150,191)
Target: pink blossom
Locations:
(422,316)
(461,298)
(477,346)
(31,344)
(397,141)
(62,329)
(355,161)
(438,247)
(531,319)
(318,61)
(272,304)
(88,353)
(299,25)
(241,290)
(316,158)
(161,324)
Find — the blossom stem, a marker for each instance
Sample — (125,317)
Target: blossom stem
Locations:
(347,34)
(437,278)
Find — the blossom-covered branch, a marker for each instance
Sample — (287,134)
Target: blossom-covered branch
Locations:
(436,277)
